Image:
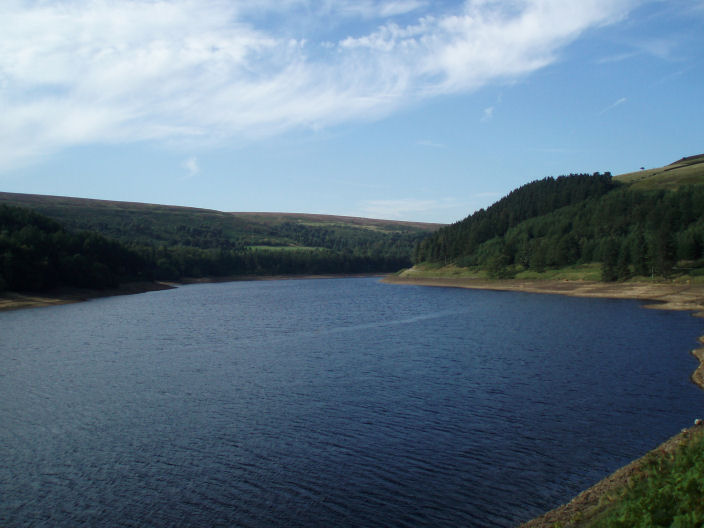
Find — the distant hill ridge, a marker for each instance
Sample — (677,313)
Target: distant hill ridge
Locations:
(174,242)
(698,158)
(685,171)
(64,207)
(170,225)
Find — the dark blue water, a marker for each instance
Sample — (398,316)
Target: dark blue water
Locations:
(329,403)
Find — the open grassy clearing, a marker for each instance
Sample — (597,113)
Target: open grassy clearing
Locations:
(687,171)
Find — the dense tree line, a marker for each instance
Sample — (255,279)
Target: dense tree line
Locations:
(175,263)
(529,201)
(579,219)
(37,253)
(359,241)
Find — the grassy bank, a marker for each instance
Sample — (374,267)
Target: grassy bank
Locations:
(579,272)
(663,488)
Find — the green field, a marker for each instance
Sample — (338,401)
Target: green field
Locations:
(687,171)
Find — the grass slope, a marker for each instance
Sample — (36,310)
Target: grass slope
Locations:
(686,171)
(663,488)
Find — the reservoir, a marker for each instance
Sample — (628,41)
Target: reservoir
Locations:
(339,402)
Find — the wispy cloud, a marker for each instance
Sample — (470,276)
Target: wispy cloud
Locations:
(114,71)
(613,105)
(401,209)
(431,144)
(619,57)
(440,210)
(191,166)
(372,8)
(488,114)
(660,48)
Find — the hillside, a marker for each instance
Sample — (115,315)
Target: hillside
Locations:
(686,171)
(166,225)
(38,254)
(174,243)
(642,224)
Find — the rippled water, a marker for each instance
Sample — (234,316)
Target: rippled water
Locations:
(340,402)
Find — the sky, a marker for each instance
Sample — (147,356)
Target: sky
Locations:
(412,110)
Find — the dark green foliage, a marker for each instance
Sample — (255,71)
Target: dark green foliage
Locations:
(575,220)
(529,201)
(177,242)
(668,493)
(36,254)
(609,259)
(168,226)
(179,262)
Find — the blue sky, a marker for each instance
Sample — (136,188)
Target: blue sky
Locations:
(401,109)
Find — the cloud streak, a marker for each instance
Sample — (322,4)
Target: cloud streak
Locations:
(402,209)
(114,71)
(613,105)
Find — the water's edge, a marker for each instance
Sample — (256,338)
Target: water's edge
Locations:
(590,502)
(18,300)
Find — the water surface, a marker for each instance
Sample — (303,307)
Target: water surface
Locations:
(341,402)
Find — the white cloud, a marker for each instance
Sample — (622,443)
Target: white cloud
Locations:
(111,71)
(191,166)
(659,48)
(431,144)
(619,57)
(440,210)
(399,209)
(373,9)
(488,114)
(367,9)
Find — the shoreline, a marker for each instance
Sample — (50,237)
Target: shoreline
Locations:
(596,499)
(580,510)
(664,296)
(244,278)
(22,300)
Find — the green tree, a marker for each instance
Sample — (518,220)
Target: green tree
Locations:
(609,259)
